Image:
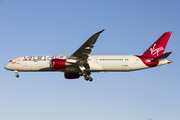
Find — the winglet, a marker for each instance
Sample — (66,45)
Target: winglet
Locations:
(100,31)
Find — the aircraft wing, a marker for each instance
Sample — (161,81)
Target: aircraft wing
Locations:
(83,52)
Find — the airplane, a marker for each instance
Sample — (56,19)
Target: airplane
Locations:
(81,63)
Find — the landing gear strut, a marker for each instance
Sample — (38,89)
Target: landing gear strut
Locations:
(17,73)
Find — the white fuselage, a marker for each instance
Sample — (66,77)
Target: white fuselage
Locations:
(97,63)
(81,63)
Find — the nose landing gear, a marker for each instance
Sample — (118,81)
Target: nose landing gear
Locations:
(17,73)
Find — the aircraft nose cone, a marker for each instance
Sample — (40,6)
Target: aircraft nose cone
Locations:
(7,67)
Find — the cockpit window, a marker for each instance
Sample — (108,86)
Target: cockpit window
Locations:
(10,61)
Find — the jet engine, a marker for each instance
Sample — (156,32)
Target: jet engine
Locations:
(58,64)
(71,75)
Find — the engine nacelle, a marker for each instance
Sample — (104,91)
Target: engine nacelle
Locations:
(71,75)
(58,64)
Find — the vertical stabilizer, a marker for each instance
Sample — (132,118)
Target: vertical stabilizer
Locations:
(158,47)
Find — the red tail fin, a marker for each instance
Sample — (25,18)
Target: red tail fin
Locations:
(158,47)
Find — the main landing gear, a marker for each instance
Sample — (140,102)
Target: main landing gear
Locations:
(17,73)
(86,76)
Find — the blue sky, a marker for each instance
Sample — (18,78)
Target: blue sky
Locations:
(43,27)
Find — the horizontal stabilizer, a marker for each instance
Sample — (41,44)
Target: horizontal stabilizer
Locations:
(161,57)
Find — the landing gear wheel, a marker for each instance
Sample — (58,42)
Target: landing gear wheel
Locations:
(86,78)
(90,79)
(17,75)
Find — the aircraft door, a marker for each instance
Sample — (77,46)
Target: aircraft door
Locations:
(136,60)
